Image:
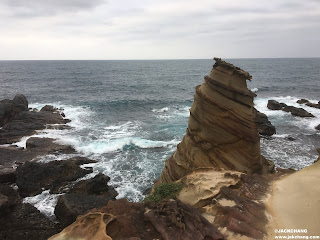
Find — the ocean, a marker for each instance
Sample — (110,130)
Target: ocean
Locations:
(130,115)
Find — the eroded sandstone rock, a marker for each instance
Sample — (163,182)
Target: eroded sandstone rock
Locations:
(169,219)
(221,132)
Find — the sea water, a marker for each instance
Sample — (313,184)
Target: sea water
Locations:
(130,115)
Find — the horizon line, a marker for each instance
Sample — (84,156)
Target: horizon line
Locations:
(156,59)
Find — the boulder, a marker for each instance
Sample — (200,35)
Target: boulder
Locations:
(9,109)
(317,127)
(265,127)
(71,205)
(95,186)
(47,145)
(22,221)
(275,105)
(302,101)
(26,124)
(315,105)
(34,177)
(300,112)
(48,108)
(83,197)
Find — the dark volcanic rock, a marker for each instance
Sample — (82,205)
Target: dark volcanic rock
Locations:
(265,127)
(26,222)
(48,108)
(302,101)
(22,221)
(83,197)
(71,205)
(46,145)
(300,112)
(9,109)
(275,105)
(315,105)
(95,186)
(33,177)
(26,123)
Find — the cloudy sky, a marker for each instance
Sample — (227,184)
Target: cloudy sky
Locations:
(149,29)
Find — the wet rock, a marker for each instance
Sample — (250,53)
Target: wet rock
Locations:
(26,123)
(9,109)
(95,186)
(290,138)
(33,177)
(222,131)
(317,127)
(83,197)
(302,101)
(300,112)
(315,105)
(71,205)
(274,105)
(265,127)
(22,221)
(48,108)
(26,222)
(4,204)
(47,145)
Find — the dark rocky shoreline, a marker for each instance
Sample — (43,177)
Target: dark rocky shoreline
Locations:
(22,176)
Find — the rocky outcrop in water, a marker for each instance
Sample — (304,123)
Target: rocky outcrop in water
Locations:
(299,112)
(265,127)
(9,109)
(308,103)
(222,131)
(83,197)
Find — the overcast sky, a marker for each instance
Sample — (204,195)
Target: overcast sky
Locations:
(150,29)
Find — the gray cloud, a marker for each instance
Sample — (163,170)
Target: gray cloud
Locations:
(35,8)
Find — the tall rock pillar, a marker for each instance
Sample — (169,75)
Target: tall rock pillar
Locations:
(221,132)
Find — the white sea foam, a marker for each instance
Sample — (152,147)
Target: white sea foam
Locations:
(44,202)
(101,146)
(254,90)
(161,110)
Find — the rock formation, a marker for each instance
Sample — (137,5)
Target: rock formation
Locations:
(265,127)
(221,132)
(11,108)
(299,112)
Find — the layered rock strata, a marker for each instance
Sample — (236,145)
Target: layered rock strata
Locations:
(221,132)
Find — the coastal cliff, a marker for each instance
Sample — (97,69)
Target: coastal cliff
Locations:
(221,133)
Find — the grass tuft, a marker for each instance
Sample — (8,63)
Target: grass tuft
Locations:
(164,190)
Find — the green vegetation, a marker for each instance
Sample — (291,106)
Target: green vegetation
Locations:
(164,190)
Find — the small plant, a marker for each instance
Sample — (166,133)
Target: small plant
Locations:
(164,190)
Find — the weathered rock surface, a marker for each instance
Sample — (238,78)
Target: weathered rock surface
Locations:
(46,145)
(26,123)
(34,177)
(83,197)
(300,112)
(275,105)
(11,108)
(22,221)
(308,103)
(265,127)
(222,131)
(230,200)
(169,219)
